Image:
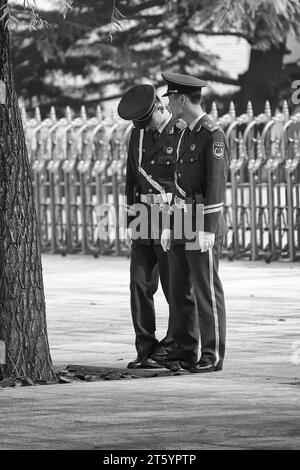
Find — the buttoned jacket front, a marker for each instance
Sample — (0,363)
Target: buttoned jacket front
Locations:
(158,161)
(202,168)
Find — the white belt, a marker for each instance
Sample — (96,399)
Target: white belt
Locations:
(156,198)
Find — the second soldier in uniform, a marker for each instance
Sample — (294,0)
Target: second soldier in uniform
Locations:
(149,186)
(200,181)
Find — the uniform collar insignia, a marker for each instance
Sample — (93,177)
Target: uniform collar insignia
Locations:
(203,120)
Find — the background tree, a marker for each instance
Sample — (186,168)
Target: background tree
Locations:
(265,24)
(116,41)
(122,41)
(22,303)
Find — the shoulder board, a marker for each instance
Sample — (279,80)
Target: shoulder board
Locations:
(209,124)
(180,125)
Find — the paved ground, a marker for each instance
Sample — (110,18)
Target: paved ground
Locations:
(253,403)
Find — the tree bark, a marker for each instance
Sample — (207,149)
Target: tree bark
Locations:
(22,302)
(263,79)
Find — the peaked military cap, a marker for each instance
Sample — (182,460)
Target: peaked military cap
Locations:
(185,84)
(137,105)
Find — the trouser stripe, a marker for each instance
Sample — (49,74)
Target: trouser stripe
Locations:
(214,306)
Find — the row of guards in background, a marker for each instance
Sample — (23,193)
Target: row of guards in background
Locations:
(79,167)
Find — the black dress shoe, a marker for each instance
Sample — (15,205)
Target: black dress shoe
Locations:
(146,363)
(166,362)
(200,367)
(149,363)
(188,365)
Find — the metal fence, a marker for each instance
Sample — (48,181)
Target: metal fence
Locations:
(78,168)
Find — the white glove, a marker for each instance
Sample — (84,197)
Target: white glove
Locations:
(165,239)
(206,241)
(128,237)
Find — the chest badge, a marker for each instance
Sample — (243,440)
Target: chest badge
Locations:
(218,150)
(169,150)
(192,147)
(171,131)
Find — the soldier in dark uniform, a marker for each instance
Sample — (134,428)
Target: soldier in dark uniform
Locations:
(200,185)
(149,187)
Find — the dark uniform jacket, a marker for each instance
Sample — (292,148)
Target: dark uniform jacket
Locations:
(201,171)
(158,160)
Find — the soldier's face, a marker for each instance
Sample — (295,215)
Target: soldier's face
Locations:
(175,105)
(158,117)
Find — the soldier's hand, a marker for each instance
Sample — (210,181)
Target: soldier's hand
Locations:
(128,237)
(206,241)
(165,239)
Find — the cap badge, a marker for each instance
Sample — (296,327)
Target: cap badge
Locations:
(218,150)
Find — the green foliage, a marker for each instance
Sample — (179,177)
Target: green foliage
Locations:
(124,41)
(104,42)
(262,22)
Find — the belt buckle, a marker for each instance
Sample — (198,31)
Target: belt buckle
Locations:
(164,198)
(180,203)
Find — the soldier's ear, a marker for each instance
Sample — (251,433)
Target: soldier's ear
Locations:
(182,99)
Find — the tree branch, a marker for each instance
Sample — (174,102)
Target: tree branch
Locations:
(129,10)
(208,32)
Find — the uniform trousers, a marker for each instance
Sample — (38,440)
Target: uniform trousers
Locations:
(148,264)
(197,303)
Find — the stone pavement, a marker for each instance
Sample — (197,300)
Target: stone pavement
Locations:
(253,403)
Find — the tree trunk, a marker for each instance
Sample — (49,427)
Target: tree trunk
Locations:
(263,79)
(22,301)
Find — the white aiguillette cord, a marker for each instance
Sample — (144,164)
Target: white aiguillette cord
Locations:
(141,147)
(180,190)
(179,143)
(150,180)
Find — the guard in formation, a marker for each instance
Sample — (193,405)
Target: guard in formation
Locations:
(196,296)
(149,188)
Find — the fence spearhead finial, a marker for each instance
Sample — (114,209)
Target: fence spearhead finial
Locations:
(232,110)
(285,110)
(68,114)
(268,111)
(99,113)
(52,114)
(250,110)
(37,114)
(214,111)
(83,113)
